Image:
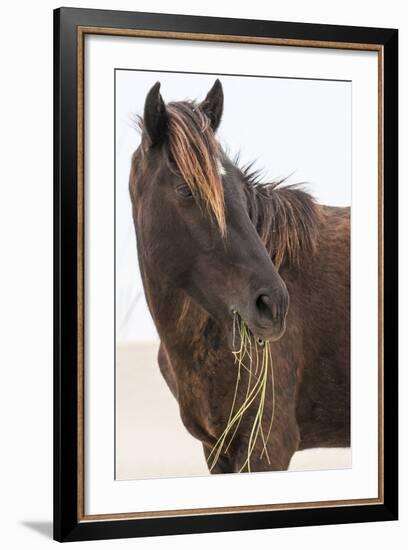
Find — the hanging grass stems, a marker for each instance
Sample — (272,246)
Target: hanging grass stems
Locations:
(252,355)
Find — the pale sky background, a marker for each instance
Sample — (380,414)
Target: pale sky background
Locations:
(289,126)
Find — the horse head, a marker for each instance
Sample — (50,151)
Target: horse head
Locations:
(193,224)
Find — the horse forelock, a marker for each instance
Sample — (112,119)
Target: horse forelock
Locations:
(196,153)
(194,150)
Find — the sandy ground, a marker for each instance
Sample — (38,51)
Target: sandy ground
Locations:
(151,440)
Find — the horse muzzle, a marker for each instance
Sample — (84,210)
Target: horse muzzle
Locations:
(266,317)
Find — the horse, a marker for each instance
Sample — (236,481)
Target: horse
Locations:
(214,241)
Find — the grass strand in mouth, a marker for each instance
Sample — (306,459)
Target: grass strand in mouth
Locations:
(239,359)
(255,393)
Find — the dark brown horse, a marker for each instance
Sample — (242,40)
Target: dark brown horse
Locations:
(212,241)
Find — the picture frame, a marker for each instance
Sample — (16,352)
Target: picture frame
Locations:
(71,27)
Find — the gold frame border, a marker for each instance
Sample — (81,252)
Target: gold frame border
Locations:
(81,32)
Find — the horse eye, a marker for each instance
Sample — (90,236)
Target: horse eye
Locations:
(184,190)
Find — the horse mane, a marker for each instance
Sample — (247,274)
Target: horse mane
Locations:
(195,152)
(286,217)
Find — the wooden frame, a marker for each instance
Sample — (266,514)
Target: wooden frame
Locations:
(70,28)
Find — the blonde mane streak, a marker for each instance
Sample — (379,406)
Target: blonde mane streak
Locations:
(195,151)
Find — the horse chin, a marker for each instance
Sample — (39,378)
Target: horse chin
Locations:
(260,334)
(268,335)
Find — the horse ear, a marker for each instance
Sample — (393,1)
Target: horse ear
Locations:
(155,116)
(213,104)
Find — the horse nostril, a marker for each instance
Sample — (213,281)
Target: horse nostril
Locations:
(266,307)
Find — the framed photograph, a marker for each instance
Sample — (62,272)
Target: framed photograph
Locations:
(225,274)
